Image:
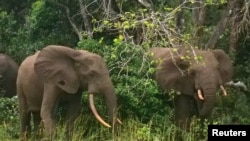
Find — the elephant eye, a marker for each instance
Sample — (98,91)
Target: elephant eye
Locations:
(77,65)
(61,82)
(192,72)
(93,73)
(218,68)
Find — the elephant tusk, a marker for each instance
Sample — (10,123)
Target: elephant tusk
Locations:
(223,90)
(119,121)
(92,106)
(200,95)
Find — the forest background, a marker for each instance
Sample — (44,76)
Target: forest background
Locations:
(122,31)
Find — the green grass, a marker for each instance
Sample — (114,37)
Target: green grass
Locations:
(88,129)
(159,128)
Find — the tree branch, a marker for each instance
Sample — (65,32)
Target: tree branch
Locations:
(179,19)
(109,7)
(145,3)
(235,22)
(220,27)
(199,12)
(75,29)
(86,22)
(238,84)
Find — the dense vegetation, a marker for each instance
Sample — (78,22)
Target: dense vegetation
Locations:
(122,32)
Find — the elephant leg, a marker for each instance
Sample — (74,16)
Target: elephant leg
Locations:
(73,111)
(182,104)
(36,122)
(25,116)
(25,125)
(49,104)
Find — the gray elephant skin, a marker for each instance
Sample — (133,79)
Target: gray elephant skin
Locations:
(196,74)
(59,73)
(8,76)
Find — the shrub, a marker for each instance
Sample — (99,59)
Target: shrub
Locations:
(138,94)
(9,117)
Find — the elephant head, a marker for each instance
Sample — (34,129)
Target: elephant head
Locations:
(8,75)
(193,71)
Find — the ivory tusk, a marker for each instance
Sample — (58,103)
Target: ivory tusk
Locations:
(223,90)
(92,106)
(119,121)
(200,95)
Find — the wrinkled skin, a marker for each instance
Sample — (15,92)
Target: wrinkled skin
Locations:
(209,70)
(60,74)
(8,75)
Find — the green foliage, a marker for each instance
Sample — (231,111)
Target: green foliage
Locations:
(9,109)
(142,27)
(138,94)
(27,26)
(215,2)
(14,39)
(46,24)
(239,103)
(9,117)
(7,29)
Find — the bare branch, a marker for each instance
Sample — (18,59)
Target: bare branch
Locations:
(235,22)
(238,84)
(244,25)
(75,29)
(109,8)
(145,3)
(86,22)
(199,13)
(179,19)
(220,27)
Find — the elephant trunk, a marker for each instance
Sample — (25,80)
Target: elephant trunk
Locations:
(111,102)
(208,103)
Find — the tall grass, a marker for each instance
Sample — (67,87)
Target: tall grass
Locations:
(88,129)
(158,128)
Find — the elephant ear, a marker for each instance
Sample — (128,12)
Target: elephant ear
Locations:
(171,71)
(88,61)
(55,65)
(225,65)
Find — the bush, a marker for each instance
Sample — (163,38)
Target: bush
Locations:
(9,117)
(138,94)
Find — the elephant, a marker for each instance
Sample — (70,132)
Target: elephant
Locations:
(8,75)
(60,74)
(197,74)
